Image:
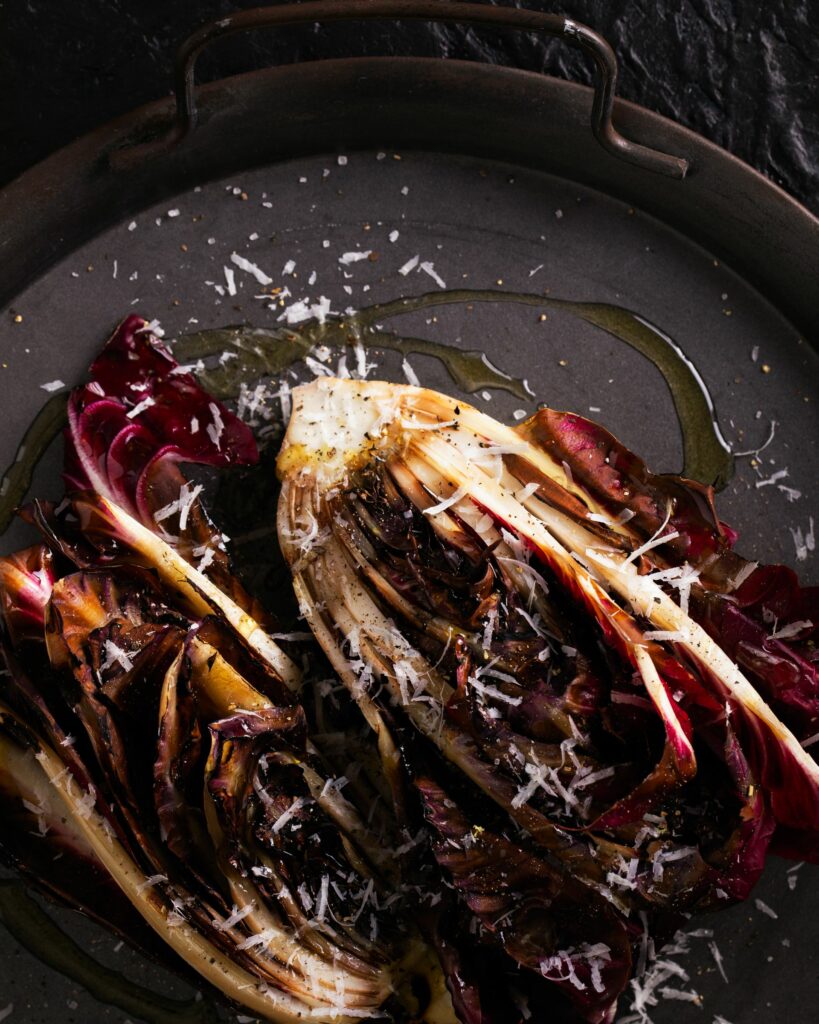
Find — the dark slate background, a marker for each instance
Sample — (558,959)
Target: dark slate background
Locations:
(745,73)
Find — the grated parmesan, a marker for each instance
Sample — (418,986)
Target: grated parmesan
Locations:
(409,266)
(446,503)
(250,268)
(429,268)
(410,374)
(234,918)
(763,907)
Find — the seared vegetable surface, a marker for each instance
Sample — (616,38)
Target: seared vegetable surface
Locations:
(537,711)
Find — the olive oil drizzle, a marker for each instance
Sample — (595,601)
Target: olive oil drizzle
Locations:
(34,929)
(707,455)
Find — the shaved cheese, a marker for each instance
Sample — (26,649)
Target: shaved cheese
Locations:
(715,953)
(763,907)
(217,428)
(321,905)
(353,257)
(250,268)
(681,636)
(664,857)
(53,385)
(317,369)
(262,939)
(230,280)
(152,327)
(284,398)
(235,917)
(804,542)
(151,881)
(334,784)
(494,692)
(736,582)
(681,577)
(410,374)
(487,670)
(113,653)
(792,629)
(526,492)
(429,268)
(489,628)
(484,524)
(86,804)
(409,266)
(290,813)
(653,542)
(182,505)
(689,996)
(207,557)
(446,503)
(362,366)
(527,570)
(146,403)
(780,474)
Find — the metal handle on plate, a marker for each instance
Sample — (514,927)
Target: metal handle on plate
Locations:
(520,19)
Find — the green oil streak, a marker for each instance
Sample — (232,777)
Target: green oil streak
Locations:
(33,928)
(707,456)
(263,352)
(45,426)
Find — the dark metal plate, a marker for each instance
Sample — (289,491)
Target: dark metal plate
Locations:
(479,222)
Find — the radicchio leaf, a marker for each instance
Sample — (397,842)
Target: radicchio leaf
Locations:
(544,919)
(141,407)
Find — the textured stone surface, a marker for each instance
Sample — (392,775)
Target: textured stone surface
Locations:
(746,75)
